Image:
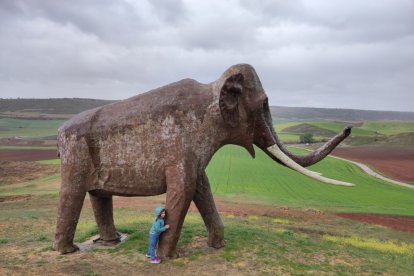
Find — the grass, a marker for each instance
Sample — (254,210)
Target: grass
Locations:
(389,127)
(383,246)
(256,243)
(338,126)
(49,162)
(288,137)
(268,181)
(45,186)
(28,128)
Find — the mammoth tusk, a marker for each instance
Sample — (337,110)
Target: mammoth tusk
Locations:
(276,152)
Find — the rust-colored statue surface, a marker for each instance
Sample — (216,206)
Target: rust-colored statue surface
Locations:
(161,142)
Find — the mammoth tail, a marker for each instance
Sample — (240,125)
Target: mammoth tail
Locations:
(57,151)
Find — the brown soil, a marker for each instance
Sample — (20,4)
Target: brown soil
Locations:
(16,141)
(12,172)
(225,207)
(249,209)
(14,198)
(27,155)
(400,223)
(396,163)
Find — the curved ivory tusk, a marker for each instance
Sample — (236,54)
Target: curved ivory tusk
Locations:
(276,152)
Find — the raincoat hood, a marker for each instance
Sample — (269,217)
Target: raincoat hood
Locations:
(158,210)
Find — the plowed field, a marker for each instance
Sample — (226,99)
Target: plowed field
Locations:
(396,163)
(27,155)
(400,223)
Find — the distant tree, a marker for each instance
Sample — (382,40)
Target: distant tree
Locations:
(306,138)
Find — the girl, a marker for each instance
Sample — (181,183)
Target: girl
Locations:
(156,229)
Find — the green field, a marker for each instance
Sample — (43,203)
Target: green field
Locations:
(28,128)
(268,181)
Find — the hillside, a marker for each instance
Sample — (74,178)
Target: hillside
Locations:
(50,106)
(401,139)
(307,113)
(76,105)
(308,128)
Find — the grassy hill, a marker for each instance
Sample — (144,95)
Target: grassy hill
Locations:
(393,133)
(50,106)
(307,113)
(401,139)
(308,128)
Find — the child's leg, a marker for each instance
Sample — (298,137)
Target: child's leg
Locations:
(153,239)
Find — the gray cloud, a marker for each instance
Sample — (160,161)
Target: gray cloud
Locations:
(345,54)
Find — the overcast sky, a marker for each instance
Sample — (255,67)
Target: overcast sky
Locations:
(340,54)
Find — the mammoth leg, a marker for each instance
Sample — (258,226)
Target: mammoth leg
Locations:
(203,199)
(180,192)
(103,211)
(75,164)
(70,205)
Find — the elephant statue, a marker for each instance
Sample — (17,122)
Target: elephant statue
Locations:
(161,142)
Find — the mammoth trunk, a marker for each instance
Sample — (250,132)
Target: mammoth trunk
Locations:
(267,137)
(267,140)
(317,155)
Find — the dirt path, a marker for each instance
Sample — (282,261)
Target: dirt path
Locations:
(369,171)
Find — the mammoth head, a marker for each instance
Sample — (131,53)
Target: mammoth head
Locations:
(245,111)
(241,94)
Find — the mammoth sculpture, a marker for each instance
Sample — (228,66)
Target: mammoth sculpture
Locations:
(161,142)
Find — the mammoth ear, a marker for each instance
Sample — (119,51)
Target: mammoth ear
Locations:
(229,99)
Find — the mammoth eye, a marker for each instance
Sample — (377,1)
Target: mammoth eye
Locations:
(266,104)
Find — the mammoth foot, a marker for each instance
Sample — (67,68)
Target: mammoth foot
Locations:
(65,249)
(166,251)
(100,241)
(216,242)
(168,255)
